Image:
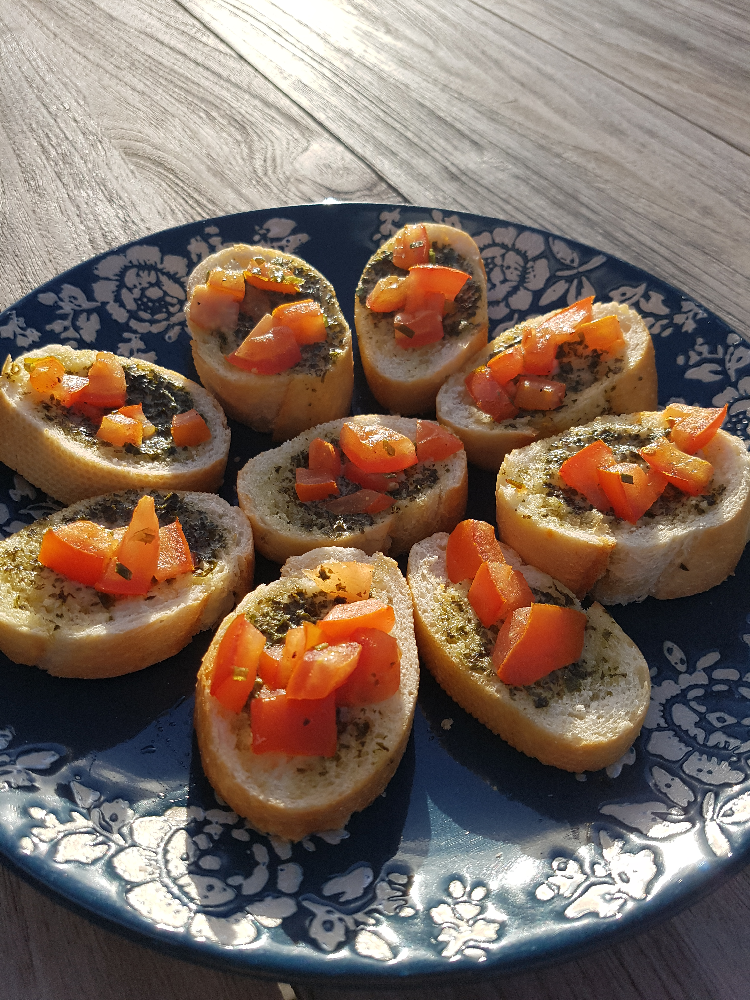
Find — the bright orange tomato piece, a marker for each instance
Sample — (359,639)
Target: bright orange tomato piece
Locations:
(435,442)
(687,472)
(321,671)
(312,484)
(344,619)
(489,396)
(377,675)
(539,346)
(496,591)
(360,502)
(189,429)
(212,309)
(388,295)
(469,545)
(106,386)
(536,393)
(132,569)
(536,640)
(79,551)
(507,364)
(581,472)
(322,456)
(427,278)
(175,557)
(296,726)
(135,412)
(603,334)
(46,375)
(421,321)
(350,580)
(412,247)
(376,448)
(269,666)
(296,643)
(695,425)
(267,354)
(381,482)
(567,321)
(305,319)
(630,489)
(272,277)
(231,283)
(236,663)
(118,430)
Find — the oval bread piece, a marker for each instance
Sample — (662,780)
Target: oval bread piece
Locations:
(316,389)
(69,463)
(284,527)
(580,718)
(683,545)
(622,383)
(290,796)
(70,630)
(406,380)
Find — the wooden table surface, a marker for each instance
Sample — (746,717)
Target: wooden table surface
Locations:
(623,125)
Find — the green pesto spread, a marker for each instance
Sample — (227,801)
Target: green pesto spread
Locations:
(274,616)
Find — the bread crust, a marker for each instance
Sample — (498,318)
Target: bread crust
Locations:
(70,470)
(266,494)
(684,549)
(77,635)
(578,730)
(284,404)
(407,381)
(632,386)
(292,797)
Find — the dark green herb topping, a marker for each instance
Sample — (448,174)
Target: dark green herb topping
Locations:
(274,616)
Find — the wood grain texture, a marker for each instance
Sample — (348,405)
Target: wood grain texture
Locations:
(119,120)
(455,106)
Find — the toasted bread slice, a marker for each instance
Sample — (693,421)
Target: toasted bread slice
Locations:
(289,796)
(317,388)
(433,495)
(406,381)
(683,545)
(70,630)
(56,448)
(595,383)
(580,718)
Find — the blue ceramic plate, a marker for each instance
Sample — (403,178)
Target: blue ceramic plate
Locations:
(476,858)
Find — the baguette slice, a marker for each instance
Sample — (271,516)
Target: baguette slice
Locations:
(683,545)
(58,451)
(70,630)
(580,718)
(406,381)
(434,497)
(622,383)
(289,796)
(318,388)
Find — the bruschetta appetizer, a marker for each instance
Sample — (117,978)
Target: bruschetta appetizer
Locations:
(115,583)
(547,374)
(269,339)
(625,507)
(515,649)
(375,482)
(420,311)
(79,424)
(306,695)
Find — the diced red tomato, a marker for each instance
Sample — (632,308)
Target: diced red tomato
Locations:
(536,393)
(189,429)
(427,278)
(321,671)
(381,482)
(603,334)
(135,412)
(412,247)
(236,663)
(376,448)
(539,347)
(323,456)
(272,277)
(566,321)
(267,353)
(305,319)
(297,641)
(79,551)
(695,425)
(106,386)
(350,580)
(212,309)
(421,321)
(46,375)
(435,442)
(388,295)
(132,569)
(301,727)
(630,489)
(536,640)
(581,472)
(469,545)
(175,557)
(489,396)
(687,472)
(377,675)
(269,666)
(507,364)
(118,430)
(496,591)
(71,389)
(344,619)
(360,502)
(231,283)
(312,484)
